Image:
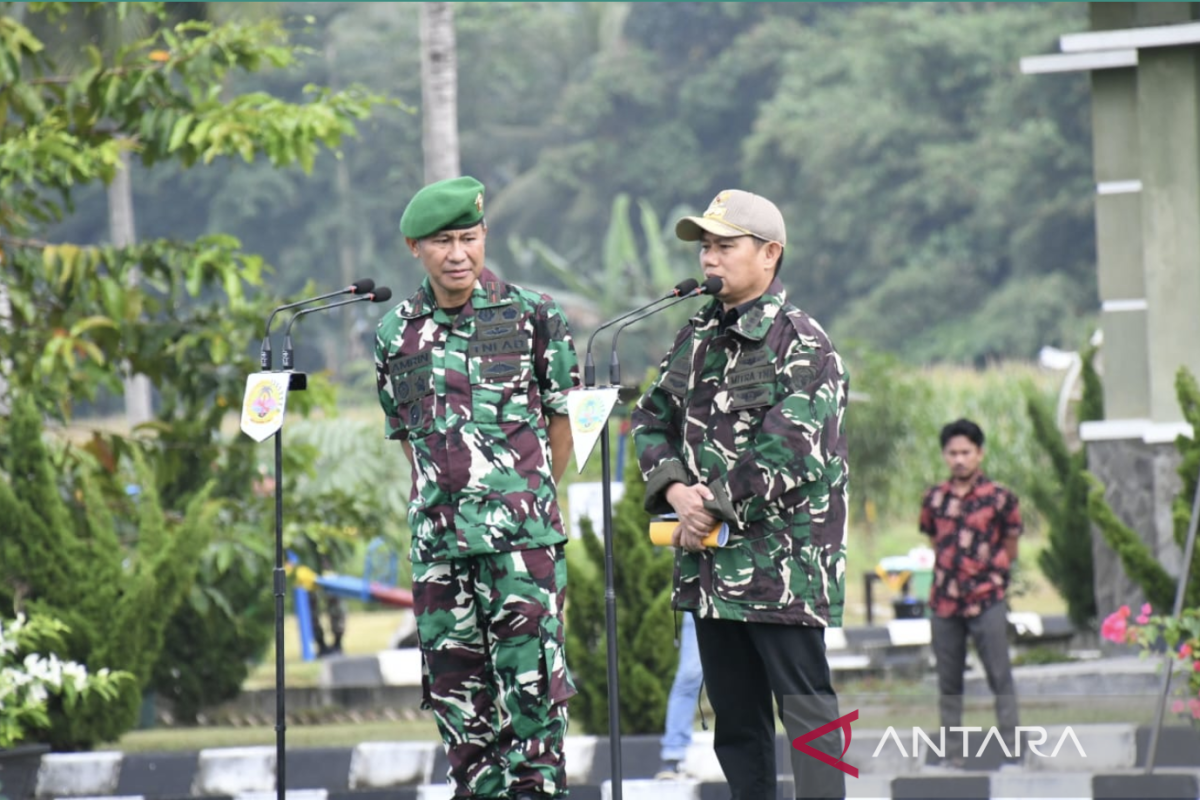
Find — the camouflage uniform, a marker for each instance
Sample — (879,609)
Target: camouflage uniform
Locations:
(757,415)
(471,394)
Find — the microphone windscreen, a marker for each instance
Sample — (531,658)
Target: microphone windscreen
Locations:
(712,285)
(686,287)
(382,294)
(362,286)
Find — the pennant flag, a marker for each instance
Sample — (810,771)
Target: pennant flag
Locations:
(588,409)
(264,403)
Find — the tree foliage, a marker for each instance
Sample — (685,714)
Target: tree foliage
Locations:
(922,173)
(177,311)
(939,203)
(180,307)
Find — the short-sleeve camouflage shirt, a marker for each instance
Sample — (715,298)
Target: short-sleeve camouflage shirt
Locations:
(471,393)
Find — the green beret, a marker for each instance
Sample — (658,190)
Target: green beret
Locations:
(445,205)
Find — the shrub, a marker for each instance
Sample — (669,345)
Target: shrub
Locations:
(65,561)
(30,680)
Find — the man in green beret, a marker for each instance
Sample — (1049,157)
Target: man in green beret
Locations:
(473,374)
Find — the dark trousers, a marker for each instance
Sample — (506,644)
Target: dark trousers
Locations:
(746,666)
(989,631)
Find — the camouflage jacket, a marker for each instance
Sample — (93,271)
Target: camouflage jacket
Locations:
(757,414)
(471,394)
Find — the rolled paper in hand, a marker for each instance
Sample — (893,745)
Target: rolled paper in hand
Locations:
(662,530)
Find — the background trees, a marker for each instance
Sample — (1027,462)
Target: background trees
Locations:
(938,202)
(110,535)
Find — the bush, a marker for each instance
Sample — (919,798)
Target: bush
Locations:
(65,561)
(222,629)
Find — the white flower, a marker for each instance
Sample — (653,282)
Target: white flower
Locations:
(27,683)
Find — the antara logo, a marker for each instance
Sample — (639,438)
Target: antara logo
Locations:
(993,733)
(1035,737)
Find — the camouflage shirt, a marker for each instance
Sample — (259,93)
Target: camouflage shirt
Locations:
(471,393)
(755,412)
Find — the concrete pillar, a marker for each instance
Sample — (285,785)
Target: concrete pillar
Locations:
(1146,139)
(1119,243)
(1168,105)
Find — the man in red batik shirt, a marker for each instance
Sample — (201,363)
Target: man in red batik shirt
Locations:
(975,524)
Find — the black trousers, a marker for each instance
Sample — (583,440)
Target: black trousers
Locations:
(747,666)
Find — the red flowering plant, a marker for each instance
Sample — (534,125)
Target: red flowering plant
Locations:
(1151,633)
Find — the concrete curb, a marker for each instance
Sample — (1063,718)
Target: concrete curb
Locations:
(416,770)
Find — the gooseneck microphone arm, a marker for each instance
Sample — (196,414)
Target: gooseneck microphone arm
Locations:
(359,287)
(710,287)
(589,366)
(379,295)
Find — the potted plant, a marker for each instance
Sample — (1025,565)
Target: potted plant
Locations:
(31,676)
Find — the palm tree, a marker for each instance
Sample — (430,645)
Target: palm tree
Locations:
(439,92)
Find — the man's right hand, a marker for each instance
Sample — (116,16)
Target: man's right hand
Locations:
(695,522)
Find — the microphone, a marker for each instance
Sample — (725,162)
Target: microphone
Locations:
(589,366)
(380,295)
(711,286)
(361,286)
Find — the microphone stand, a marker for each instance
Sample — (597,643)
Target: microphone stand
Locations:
(297,382)
(610,595)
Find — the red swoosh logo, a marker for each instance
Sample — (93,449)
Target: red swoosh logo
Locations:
(843,722)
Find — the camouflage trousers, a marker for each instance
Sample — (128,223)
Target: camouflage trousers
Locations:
(495,672)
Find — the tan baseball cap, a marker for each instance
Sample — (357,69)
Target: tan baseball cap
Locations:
(734,212)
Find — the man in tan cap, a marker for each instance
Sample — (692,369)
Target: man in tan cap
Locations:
(745,426)
(473,374)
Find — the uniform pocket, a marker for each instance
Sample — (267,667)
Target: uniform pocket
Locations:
(754,571)
(412,388)
(500,388)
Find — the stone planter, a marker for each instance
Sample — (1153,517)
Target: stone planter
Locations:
(19,770)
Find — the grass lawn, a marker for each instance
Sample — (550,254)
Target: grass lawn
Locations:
(348,734)
(367,632)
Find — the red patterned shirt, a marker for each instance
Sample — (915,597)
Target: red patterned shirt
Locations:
(971,568)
